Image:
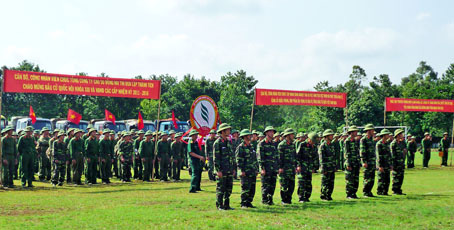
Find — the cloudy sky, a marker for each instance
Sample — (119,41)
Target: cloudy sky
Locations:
(284,44)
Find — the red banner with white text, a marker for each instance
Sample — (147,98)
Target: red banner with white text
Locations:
(419,105)
(307,98)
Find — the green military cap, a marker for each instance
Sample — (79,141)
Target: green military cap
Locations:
(193,132)
(14,133)
(312,136)
(8,128)
(328,132)
(235,131)
(126,133)
(178,135)
(61,134)
(164,133)
(385,132)
(378,135)
(288,131)
(172,132)
(56,130)
(112,132)
(344,134)
(409,135)
(352,128)
(214,131)
(413,137)
(298,135)
(69,130)
(269,128)
(36,131)
(91,130)
(43,130)
(106,131)
(446,133)
(141,132)
(148,133)
(78,131)
(261,135)
(28,129)
(253,131)
(336,135)
(133,131)
(245,132)
(276,134)
(369,127)
(426,134)
(398,131)
(223,126)
(51,133)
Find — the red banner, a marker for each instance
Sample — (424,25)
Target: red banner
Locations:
(33,82)
(290,97)
(419,105)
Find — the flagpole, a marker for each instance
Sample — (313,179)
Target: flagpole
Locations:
(384,116)
(252,111)
(156,136)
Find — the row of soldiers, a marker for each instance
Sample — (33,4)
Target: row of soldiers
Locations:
(286,159)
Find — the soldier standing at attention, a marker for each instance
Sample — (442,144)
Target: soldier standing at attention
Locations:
(224,162)
(398,152)
(60,158)
(126,153)
(137,161)
(209,154)
(235,142)
(426,145)
(384,165)
(113,142)
(246,159)
(164,156)
(105,153)
(336,146)
(287,165)
(277,139)
(328,165)
(9,160)
(27,152)
(367,153)
(76,153)
(412,147)
(352,162)
(196,160)
(444,147)
(268,161)
(91,157)
(146,151)
(305,165)
(44,162)
(70,135)
(177,151)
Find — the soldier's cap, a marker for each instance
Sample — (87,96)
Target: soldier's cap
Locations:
(298,135)
(397,132)
(253,131)
(78,131)
(214,131)
(70,130)
(446,133)
(426,134)
(14,133)
(344,134)
(172,132)
(223,127)
(164,133)
(277,134)
(269,128)
(178,135)
(91,130)
(413,137)
(112,132)
(133,131)
(409,135)
(44,130)
(127,134)
(328,132)
(288,131)
(234,131)
(385,132)
(106,131)
(304,134)
(352,128)
(28,129)
(378,135)
(336,135)
(61,134)
(245,132)
(369,127)
(36,131)
(149,133)
(141,132)
(313,136)
(6,129)
(193,132)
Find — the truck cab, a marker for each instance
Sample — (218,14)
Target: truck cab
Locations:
(167,125)
(65,125)
(133,124)
(100,125)
(39,124)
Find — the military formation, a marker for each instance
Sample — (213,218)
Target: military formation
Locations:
(289,158)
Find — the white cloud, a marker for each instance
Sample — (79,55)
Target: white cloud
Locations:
(423,16)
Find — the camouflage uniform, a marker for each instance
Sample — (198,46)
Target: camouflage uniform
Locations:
(268,160)
(209,153)
(426,148)
(328,167)
(411,150)
(352,159)
(235,144)
(444,147)
(27,153)
(383,154)
(246,159)
(287,162)
(224,162)
(367,152)
(336,147)
(44,162)
(60,154)
(304,154)
(398,153)
(126,151)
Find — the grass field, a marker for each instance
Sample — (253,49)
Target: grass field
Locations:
(428,205)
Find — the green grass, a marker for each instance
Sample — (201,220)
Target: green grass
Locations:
(428,205)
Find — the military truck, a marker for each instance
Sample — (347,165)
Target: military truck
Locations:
(39,124)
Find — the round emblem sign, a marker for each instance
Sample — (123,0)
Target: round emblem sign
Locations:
(204,115)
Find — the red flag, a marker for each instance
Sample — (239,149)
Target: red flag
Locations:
(140,124)
(74,116)
(174,120)
(109,116)
(32,115)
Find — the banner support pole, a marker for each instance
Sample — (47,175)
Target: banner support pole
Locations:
(252,111)
(384,115)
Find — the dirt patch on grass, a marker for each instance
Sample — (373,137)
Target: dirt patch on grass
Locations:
(29,212)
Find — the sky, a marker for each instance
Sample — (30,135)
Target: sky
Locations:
(284,44)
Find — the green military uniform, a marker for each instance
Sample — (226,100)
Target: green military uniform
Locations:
(341,149)
(60,156)
(384,161)
(9,154)
(44,162)
(76,148)
(195,163)
(235,144)
(412,147)
(444,147)
(126,152)
(426,148)
(327,158)
(177,154)
(287,162)
(35,157)
(304,153)
(352,160)
(209,153)
(70,134)
(268,161)
(91,158)
(224,162)
(146,152)
(164,158)
(138,167)
(106,155)
(27,153)
(398,153)
(246,159)
(367,153)
(113,143)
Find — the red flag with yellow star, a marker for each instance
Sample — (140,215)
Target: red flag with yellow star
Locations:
(140,124)
(74,116)
(32,115)
(109,116)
